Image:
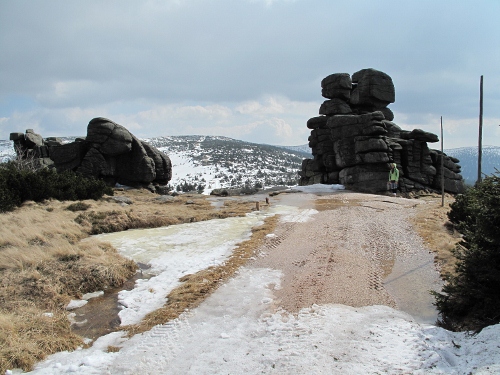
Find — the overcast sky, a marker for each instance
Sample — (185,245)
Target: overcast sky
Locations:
(245,69)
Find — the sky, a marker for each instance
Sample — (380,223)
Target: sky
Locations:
(245,69)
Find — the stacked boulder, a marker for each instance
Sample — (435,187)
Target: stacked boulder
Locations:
(32,146)
(109,152)
(354,140)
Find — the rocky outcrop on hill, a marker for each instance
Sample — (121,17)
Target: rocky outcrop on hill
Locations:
(109,151)
(354,139)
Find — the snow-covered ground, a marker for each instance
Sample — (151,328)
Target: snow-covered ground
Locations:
(237,330)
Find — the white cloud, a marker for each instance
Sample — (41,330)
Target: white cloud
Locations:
(282,129)
(270,105)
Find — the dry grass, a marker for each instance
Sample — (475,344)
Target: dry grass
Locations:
(196,287)
(43,263)
(26,336)
(431,223)
(147,212)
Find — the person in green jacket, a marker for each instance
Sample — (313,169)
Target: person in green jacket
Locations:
(393,178)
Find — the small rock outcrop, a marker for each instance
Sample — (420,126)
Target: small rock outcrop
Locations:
(109,151)
(354,140)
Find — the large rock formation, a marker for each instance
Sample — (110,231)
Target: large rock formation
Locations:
(109,151)
(354,140)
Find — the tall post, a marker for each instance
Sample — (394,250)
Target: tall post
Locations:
(442,165)
(480,143)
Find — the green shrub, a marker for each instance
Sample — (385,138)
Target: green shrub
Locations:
(20,185)
(78,206)
(470,299)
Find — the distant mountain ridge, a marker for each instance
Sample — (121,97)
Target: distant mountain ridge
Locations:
(468,157)
(221,162)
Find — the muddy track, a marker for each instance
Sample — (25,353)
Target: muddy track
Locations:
(343,254)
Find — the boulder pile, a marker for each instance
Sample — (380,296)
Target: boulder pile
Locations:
(354,140)
(109,152)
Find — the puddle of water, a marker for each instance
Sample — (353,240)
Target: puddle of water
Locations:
(100,315)
(412,278)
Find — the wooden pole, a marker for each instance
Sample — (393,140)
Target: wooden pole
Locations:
(480,142)
(442,165)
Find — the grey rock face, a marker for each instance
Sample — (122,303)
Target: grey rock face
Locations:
(337,85)
(108,137)
(163,165)
(109,151)
(355,140)
(373,89)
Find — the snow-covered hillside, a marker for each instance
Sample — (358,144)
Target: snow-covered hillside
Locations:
(468,161)
(6,150)
(207,163)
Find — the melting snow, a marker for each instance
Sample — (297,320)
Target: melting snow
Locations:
(239,330)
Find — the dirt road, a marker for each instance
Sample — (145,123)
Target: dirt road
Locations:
(357,250)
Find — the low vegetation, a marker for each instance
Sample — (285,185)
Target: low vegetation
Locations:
(19,184)
(470,299)
(432,224)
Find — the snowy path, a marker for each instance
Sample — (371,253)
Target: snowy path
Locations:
(240,329)
(234,332)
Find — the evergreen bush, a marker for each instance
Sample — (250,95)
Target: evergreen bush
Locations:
(470,299)
(20,185)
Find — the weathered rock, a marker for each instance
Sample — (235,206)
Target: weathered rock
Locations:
(95,165)
(419,135)
(121,199)
(334,107)
(366,178)
(68,156)
(388,114)
(317,122)
(135,167)
(108,137)
(53,141)
(32,139)
(16,136)
(337,85)
(373,88)
(165,198)
(162,189)
(355,149)
(354,125)
(163,165)
(220,192)
(109,151)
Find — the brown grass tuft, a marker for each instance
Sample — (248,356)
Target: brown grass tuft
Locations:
(431,223)
(26,337)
